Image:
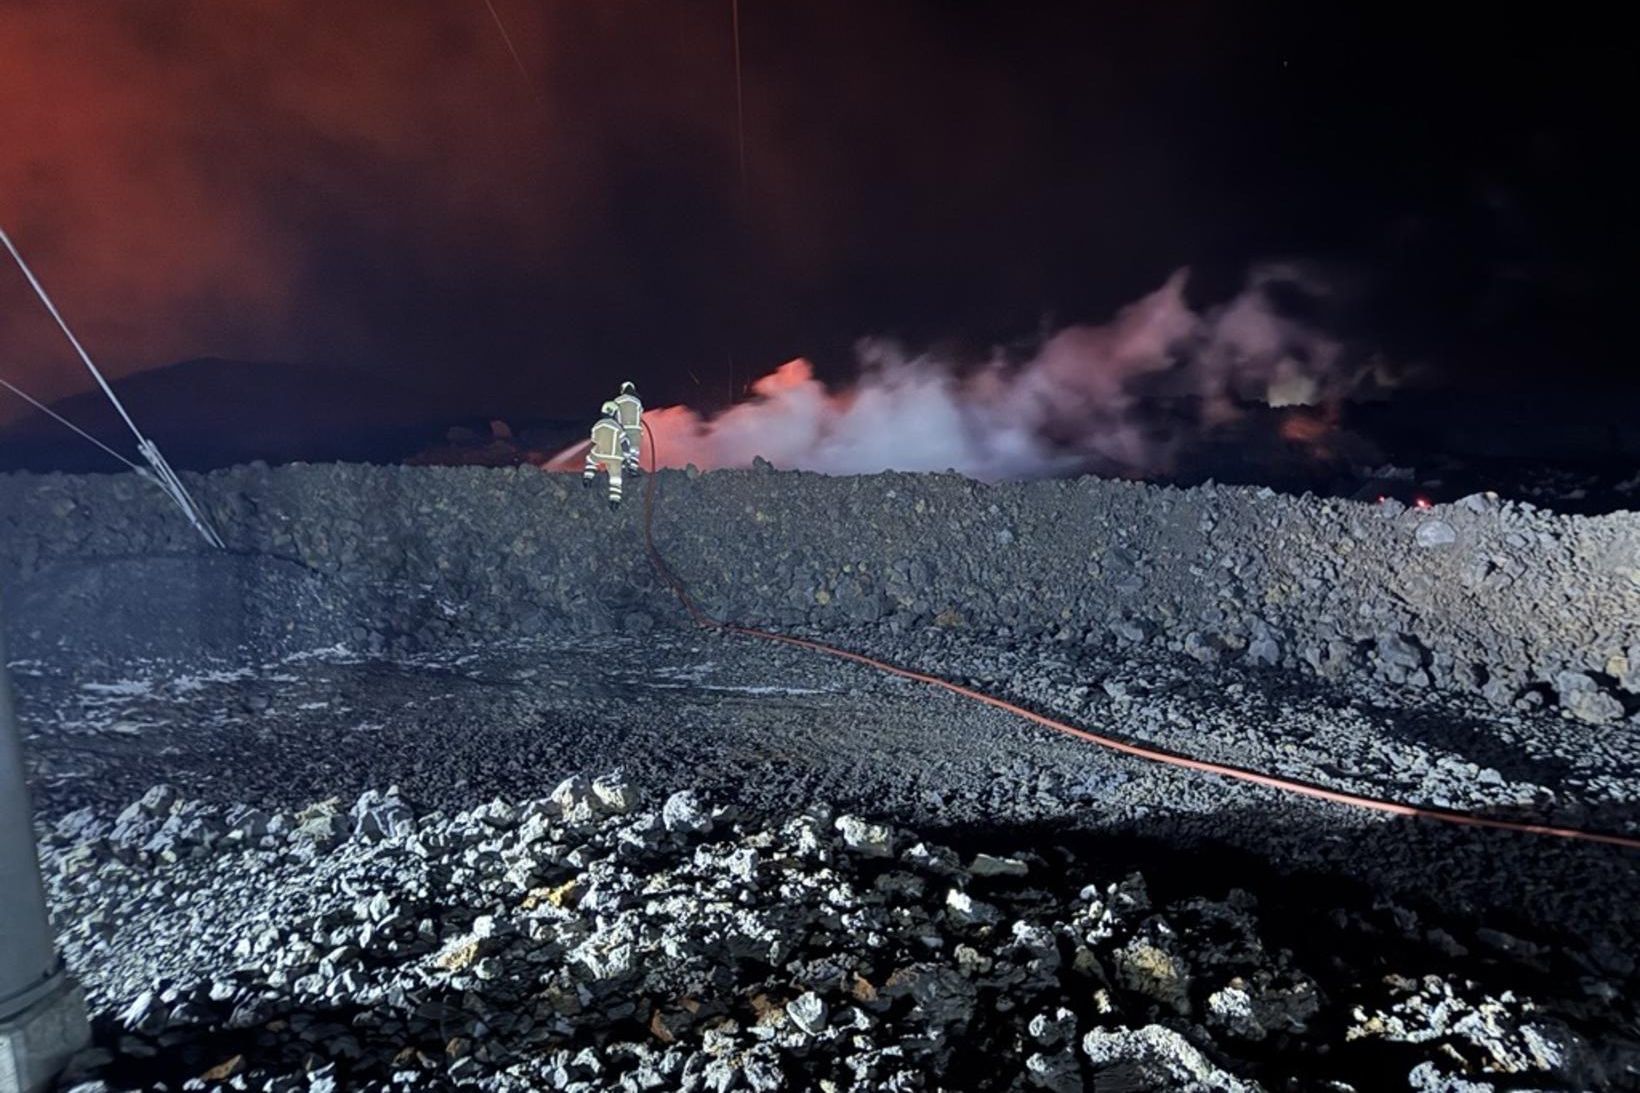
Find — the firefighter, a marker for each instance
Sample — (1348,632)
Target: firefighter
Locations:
(610,450)
(630,411)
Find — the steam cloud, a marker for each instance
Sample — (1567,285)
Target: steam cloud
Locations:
(1128,397)
(298,179)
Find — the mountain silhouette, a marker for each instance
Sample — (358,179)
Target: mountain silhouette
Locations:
(210,412)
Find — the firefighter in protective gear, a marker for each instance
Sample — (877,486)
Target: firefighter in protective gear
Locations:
(610,450)
(630,412)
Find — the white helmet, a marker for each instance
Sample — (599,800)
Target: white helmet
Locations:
(627,388)
(611,410)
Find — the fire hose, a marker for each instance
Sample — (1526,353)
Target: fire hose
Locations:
(1124,747)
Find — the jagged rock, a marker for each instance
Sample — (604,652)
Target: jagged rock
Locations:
(942,995)
(1253,1010)
(497,814)
(160,800)
(1399,651)
(862,837)
(1435,533)
(82,825)
(615,795)
(903,887)
(1154,1058)
(319,827)
(1503,1028)
(1060,1072)
(1147,969)
(683,814)
(574,800)
(1264,650)
(145,1014)
(1427,1078)
(964,910)
(1232,1010)
(808,1012)
(382,816)
(933,859)
(472,950)
(985,865)
(743,865)
(1581,694)
(247,824)
(1051,1030)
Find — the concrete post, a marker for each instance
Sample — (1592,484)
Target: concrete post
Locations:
(42,1011)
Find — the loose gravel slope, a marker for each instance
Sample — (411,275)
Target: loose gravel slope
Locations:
(388,687)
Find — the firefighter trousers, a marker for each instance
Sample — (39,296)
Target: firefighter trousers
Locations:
(612,466)
(634,440)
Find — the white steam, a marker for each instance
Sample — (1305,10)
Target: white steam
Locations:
(1122,398)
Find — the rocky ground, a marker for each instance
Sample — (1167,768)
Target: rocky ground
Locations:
(272,915)
(581,941)
(1490,599)
(312,820)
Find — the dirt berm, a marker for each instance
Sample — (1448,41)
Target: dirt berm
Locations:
(1497,598)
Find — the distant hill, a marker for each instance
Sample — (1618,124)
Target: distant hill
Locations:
(210,413)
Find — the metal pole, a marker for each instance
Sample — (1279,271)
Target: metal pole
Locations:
(42,1013)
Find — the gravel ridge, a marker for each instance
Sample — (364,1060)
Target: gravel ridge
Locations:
(1492,598)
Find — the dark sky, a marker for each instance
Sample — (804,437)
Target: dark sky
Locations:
(375,183)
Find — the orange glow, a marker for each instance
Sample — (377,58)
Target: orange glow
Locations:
(179,173)
(1305,429)
(789,376)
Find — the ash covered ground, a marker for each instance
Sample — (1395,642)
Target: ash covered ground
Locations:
(453,796)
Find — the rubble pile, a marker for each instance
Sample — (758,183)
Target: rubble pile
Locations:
(464,632)
(591,940)
(1483,597)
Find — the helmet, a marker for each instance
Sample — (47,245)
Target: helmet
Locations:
(610,409)
(628,389)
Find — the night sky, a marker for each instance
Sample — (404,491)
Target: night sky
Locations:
(376,184)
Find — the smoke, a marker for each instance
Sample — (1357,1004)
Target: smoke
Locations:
(377,182)
(301,179)
(1131,397)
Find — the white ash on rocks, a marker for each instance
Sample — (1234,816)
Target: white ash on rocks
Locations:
(1154,1057)
(581,942)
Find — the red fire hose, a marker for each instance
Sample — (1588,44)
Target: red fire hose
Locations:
(1156,755)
